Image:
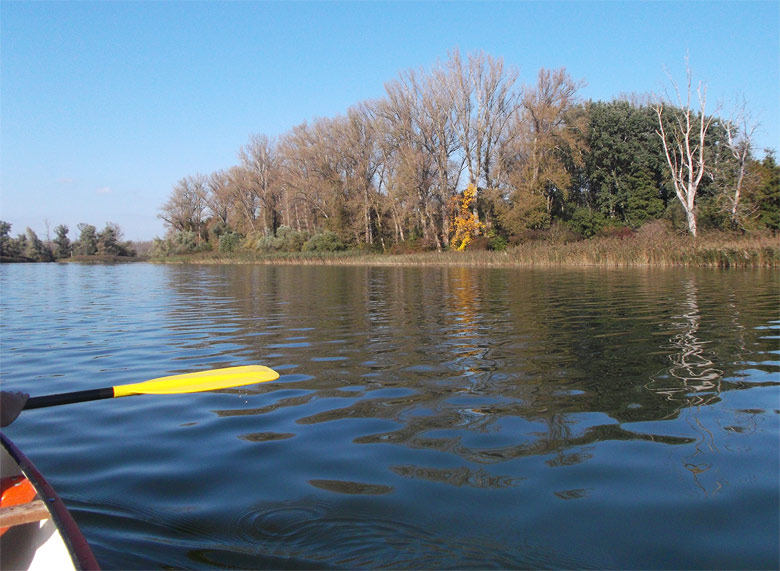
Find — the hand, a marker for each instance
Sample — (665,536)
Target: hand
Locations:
(11,404)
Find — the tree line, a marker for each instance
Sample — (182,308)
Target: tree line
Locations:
(463,154)
(29,247)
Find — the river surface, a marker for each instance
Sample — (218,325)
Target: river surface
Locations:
(424,418)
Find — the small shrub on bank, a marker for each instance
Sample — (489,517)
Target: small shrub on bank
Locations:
(498,243)
(620,232)
(586,222)
(229,241)
(291,240)
(286,240)
(326,241)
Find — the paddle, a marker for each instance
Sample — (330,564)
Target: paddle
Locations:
(175,384)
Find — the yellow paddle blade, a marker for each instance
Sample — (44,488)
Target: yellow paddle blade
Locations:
(200,381)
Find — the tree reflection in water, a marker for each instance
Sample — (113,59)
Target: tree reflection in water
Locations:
(692,382)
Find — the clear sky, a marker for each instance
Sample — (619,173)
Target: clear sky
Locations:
(106,105)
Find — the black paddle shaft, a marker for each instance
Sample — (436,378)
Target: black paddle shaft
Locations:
(68,398)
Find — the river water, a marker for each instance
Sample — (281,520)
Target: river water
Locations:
(424,418)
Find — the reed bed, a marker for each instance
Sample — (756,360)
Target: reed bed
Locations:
(649,249)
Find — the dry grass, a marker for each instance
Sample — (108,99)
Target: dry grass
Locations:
(651,246)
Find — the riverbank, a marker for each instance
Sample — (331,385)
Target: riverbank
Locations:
(102,259)
(715,250)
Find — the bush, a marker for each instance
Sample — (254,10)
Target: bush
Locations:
(229,241)
(586,222)
(182,242)
(497,242)
(620,232)
(286,240)
(327,241)
(479,243)
(290,240)
(264,243)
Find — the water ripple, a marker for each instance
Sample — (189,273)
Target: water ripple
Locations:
(424,417)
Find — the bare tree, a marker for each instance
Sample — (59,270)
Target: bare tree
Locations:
(361,163)
(410,167)
(185,209)
(258,160)
(544,136)
(219,196)
(739,134)
(683,140)
(484,102)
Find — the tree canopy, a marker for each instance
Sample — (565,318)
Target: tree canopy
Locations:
(393,171)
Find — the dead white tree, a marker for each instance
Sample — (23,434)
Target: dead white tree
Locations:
(739,134)
(683,140)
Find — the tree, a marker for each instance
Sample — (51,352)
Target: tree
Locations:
(88,243)
(624,166)
(62,242)
(411,171)
(108,241)
(466,223)
(258,160)
(739,134)
(684,137)
(186,208)
(484,102)
(218,199)
(5,239)
(547,141)
(36,249)
(765,196)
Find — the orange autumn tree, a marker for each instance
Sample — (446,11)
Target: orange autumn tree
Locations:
(466,222)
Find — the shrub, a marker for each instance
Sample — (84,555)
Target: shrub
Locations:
(480,243)
(497,243)
(286,240)
(620,232)
(289,239)
(586,222)
(228,241)
(327,241)
(561,234)
(182,242)
(265,243)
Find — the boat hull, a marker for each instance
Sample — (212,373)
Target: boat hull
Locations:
(54,542)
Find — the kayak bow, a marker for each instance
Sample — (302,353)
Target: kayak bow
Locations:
(36,529)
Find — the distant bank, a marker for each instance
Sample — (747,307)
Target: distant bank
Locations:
(717,250)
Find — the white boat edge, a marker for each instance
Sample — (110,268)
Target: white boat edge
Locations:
(53,543)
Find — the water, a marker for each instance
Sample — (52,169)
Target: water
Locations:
(424,418)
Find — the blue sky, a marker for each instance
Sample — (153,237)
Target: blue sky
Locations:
(105,106)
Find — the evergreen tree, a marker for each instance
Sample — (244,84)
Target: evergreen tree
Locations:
(5,238)
(87,245)
(624,167)
(62,242)
(108,241)
(767,194)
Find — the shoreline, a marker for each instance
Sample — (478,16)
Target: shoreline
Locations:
(711,252)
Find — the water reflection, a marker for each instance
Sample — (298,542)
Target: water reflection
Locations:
(692,380)
(487,365)
(425,417)
(495,365)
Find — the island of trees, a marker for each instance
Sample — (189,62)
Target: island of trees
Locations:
(463,157)
(106,245)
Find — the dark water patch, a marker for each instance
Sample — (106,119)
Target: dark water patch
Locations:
(344,487)
(266,436)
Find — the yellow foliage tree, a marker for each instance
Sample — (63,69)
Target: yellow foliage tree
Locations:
(466,222)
